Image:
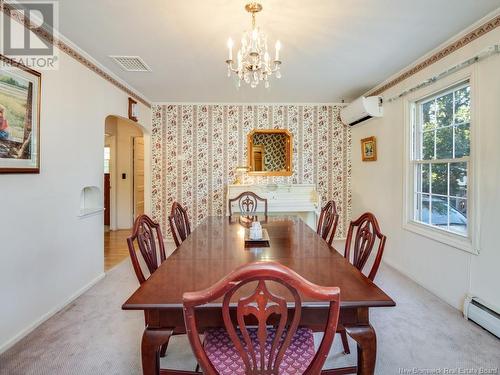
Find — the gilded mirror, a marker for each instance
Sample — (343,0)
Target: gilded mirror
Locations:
(270,152)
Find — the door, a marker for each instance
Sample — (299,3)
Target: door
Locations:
(258,158)
(107,188)
(138,176)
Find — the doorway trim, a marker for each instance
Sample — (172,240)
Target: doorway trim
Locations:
(110,141)
(114,173)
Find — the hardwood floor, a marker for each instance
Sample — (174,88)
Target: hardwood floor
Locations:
(115,247)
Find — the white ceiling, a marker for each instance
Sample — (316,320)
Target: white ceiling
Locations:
(332,49)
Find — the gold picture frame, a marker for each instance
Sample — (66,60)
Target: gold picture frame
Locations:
(20,93)
(369,149)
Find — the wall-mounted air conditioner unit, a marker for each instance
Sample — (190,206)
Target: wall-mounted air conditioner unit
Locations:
(362,109)
(476,311)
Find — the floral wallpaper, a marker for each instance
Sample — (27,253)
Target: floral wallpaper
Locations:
(196,149)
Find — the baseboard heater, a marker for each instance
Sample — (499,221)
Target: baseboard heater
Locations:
(487,318)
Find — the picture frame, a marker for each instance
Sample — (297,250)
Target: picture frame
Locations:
(20,98)
(132,110)
(369,149)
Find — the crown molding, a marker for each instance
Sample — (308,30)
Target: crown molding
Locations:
(72,50)
(473,32)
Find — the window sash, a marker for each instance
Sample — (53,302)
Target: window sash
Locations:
(416,160)
(418,191)
(443,93)
(418,131)
(465,159)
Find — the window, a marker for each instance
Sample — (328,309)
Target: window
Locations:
(440,160)
(107,157)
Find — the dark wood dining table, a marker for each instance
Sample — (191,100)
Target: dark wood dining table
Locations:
(217,246)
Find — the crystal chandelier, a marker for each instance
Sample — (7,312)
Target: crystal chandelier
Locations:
(253,62)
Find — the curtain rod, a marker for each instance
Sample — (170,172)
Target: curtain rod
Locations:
(490,51)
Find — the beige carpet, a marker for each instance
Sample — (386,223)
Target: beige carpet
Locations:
(94,336)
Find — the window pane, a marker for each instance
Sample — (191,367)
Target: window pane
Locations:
(458,179)
(428,145)
(428,115)
(462,105)
(107,156)
(445,110)
(444,143)
(423,178)
(458,215)
(422,208)
(439,211)
(441,189)
(462,140)
(439,178)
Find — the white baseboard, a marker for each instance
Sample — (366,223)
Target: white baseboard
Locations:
(26,331)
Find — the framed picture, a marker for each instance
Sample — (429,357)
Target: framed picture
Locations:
(132,109)
(19,118)
(369,149)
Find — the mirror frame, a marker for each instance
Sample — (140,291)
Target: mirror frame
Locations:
(288,153)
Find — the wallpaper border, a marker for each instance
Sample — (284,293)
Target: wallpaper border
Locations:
(478,32)
(64,46)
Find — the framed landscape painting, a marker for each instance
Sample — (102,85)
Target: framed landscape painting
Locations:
(19,118)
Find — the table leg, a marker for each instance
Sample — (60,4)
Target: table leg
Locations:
(152,340)
(367,347)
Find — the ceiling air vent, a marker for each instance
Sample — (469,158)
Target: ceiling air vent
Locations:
(131,63)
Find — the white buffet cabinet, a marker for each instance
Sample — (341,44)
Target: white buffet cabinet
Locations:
(300,200)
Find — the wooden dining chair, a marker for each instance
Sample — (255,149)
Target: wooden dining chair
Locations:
(248,203)
(147,234)
(253,343)
(366,232)
(328,221)
(179,223)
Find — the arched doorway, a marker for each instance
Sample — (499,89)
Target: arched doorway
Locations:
(124,183)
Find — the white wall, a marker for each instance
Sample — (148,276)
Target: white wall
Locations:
(48,254)
(378,187)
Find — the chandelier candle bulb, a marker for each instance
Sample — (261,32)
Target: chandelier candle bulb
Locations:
(278,48)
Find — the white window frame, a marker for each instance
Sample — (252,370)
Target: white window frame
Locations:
(467,243)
